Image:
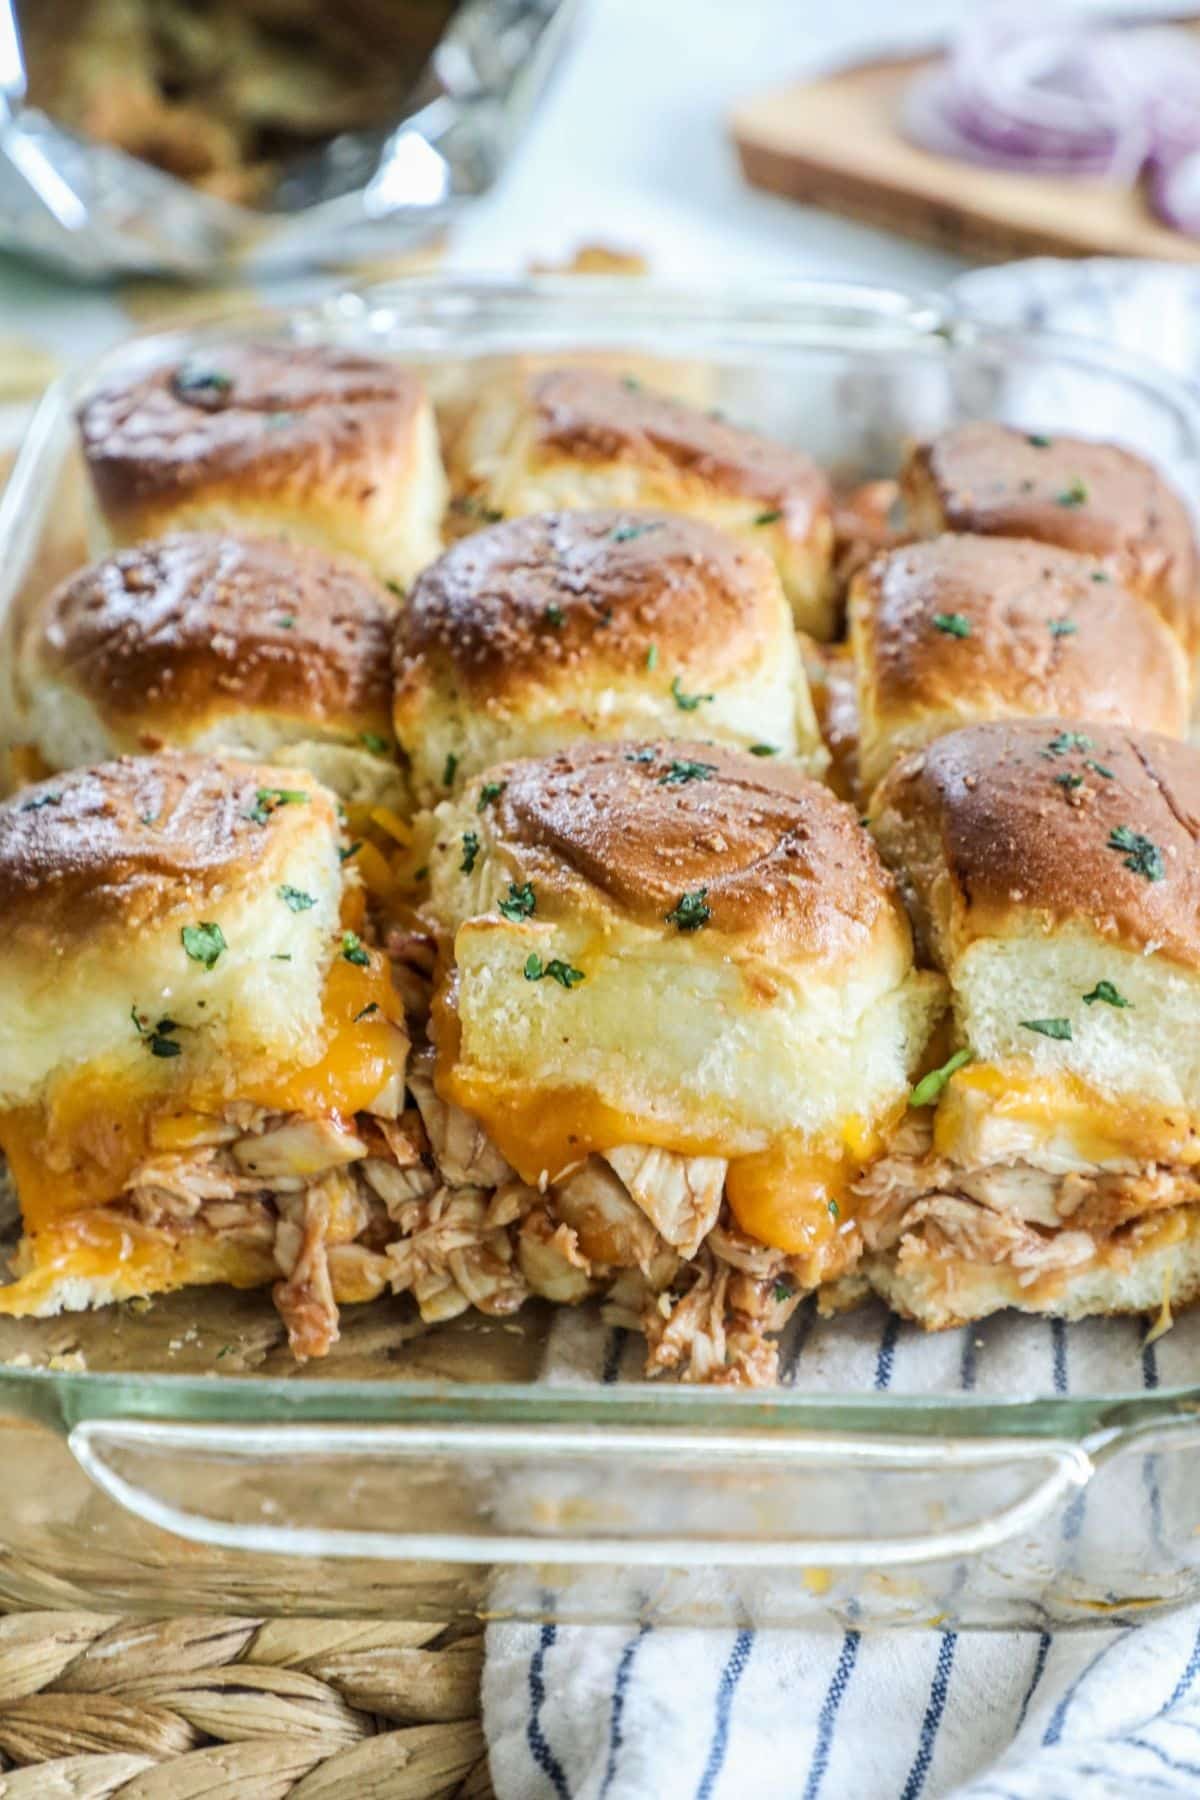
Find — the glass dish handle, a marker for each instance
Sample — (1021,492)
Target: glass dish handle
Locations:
(474,1493)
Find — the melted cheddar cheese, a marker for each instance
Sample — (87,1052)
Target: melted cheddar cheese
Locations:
(1038,1108)
(78,1149)
(793,1195)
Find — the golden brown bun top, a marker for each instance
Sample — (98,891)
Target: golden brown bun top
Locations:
(121,844)
(1054,822)
(266,408)
(595,417)
(1021,623)
(780,860)
(206,622)
(1093,497)
(541,597)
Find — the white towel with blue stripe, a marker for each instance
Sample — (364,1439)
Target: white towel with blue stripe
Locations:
(647,1712)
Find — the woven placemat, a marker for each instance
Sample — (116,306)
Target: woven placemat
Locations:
(93,1706)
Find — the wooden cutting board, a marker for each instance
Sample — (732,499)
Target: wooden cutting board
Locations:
(836,143)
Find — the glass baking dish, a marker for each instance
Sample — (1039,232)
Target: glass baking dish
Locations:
(167,1455)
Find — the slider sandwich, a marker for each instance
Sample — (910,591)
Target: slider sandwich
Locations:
(577,437)
(530,635)
(207,641)
(309,443)
(676,1016)
(1052,1162)
(962,629)
(1090,497)
(202,1057)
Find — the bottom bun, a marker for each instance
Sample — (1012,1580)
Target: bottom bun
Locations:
(1151,1267)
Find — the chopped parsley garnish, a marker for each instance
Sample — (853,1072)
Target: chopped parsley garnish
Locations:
(931,1085)
(557,970)
(470,856)
(148,818)
(1074,495)
(194,379)
(678,772)
(266,800)
(772,515)
(204,943)
(521,902)
(1037,440)
(1051,1028)
(691,911)
(353,951)
(450,770)
(954,624)
(686,702)
(554,615)
(276,421)
(1100,575)
(1067,740)
(625,534)
(350,850)
(163,1046)
(1062,627)
(652,657)
(632,383)
(372,1006)
(40,800)
(1111,996)
(783,1291)
(1099,769)
(1142,856)
(421,873)
(646,755)
(282,956)
(764,749)
(491,790)
(833,1209)
(476,509)
(286,621)
(394,587)
(374,742)
(296,898)
(1069,782)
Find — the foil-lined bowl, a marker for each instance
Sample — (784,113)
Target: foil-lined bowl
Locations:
(93,212)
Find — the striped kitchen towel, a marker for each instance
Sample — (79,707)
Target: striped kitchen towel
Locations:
(651,1711)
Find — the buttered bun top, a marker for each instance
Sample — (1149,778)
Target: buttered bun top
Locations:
(960,629)
(158,888)
(680,945)
(577,437)
(543,630)
(1055,876)
(209,641)
(1092,497)
(325,446)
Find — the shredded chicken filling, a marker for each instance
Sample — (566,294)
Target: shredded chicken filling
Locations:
(1037,1221)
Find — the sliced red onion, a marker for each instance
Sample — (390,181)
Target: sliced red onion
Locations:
(1052,93)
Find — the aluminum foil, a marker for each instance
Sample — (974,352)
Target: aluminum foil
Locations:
(93,212)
